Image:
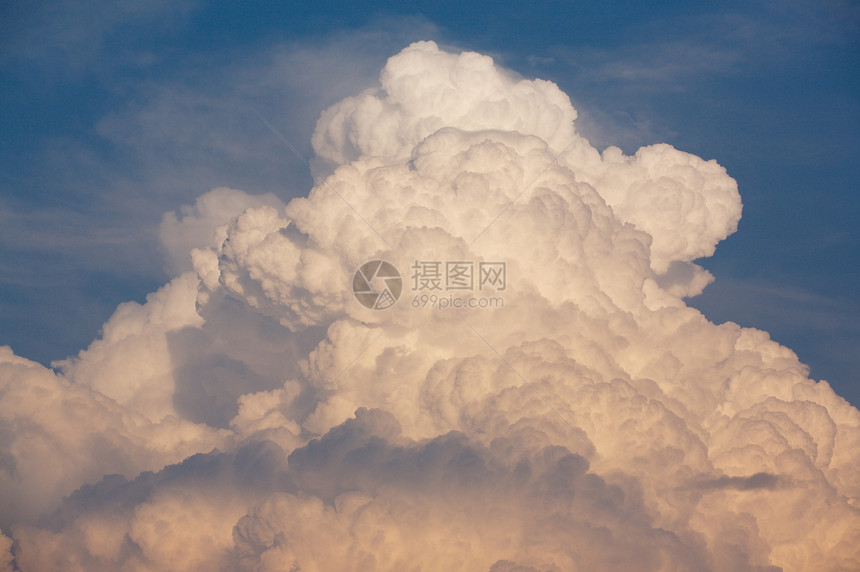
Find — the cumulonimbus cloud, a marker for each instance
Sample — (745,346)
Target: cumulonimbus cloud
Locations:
(253,415)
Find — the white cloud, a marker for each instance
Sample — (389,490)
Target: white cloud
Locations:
(203,224)
(58,435)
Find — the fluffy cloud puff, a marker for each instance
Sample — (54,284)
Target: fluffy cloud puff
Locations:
(58,435)
(686,204)
(592,422)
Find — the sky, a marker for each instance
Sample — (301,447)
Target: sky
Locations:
(115,114)
(187,187)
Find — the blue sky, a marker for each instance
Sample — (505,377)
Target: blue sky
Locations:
(114,113)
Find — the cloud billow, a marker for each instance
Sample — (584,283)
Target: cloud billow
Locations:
(252,415)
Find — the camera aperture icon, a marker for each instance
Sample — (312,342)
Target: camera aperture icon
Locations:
(377,284)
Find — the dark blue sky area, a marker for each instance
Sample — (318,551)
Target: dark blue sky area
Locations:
(113,113)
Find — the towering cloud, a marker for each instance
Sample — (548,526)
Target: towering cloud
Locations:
(253,415)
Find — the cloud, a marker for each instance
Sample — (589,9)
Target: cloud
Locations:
(547,498)
(686,204)
(202,225)
(593,421)
(465,90)
(58,435)
(467,506)
(824,327)
(756,481)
